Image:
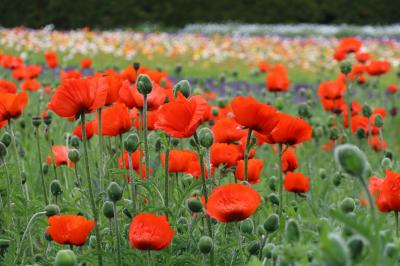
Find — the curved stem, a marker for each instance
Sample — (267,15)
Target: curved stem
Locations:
(146,148)
(91,194)
(46,201)
(246,155)
(117,233)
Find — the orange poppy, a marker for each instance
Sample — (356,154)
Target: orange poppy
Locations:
(226,130)
(391,190)
(12,105)
(150,232)
(132,98)
(296,182)
(349,45)
(277,80)
(69,229)
(377,143)
(362,57)
(30,85)
(255,167)
(194,169)
(89,125)
(375,185)
(392,88)
(76,96)
(51,59)
(152,117)
(232,203)
(377,68)
(179,160)
(180,118)
(86,63)
(339,55)
(60,154)
(71,74)
(254,115)
(224,154)
(114,83)
(7,86)
(115,120)
(289,160)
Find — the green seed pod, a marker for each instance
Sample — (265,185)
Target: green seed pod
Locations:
(144,84)
(356,246)
(378,121)
(65,257)
(352,160)
(182,225)
(390,250)
(136,66)
(360,133)
(222,102)
(247,226)
(45,168)
(347,205)
(333,133)
(271,224)
(272,183)
(337,179)
(174,142)
(336,252)
(6,139)
(131,143)
(195,205)
(366,111)
(254,247)
(55,188)
(108,210)
(183,87)
(292,231)
(279,103)
(345,67)
(273,198)
(47,119)
(74,155)
(205,244)
(386,163)
(74,142)
(52,210)
(304,111)
(215,112)
(267,250)
(3,151)
(206,137)
(114,191)
(22,124)
(322,173)
(36,121)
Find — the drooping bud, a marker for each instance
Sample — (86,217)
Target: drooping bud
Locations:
(206,137)
(55,188)
(183,87)
(65,257)
(144,84)
(386,163)
(6,139)
(351,160)
(205,244)
(108,209)
(390,250)
(52,210)
(271,224)
(3,151)
(335,250)
(74,155)
(114,191)
(292,231)
(347,205)
(356,246)
(74,142)
(131,143)
(345,67)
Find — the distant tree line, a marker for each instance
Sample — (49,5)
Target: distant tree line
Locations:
(102,14)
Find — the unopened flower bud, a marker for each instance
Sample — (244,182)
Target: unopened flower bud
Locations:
(254,247)
(74,141)
(6,139)
(335,250)
(205,244)
(131,143)
(247,226)
(65,257)
(136,66)
(272,183)
(360,133)
(3,151)
(36,120)
(351,160)
(347,205)
(345,67)
(386,163)
(47,119)
(292,231)
(271,224)
(55,188)
(356,245)
(144,84)
(273,198)
(333,133)
(114,191)
(378,121)
(74,155)
(195,205)
(52,210)
(206,137)
(108,209)
(366,111)
(183,87)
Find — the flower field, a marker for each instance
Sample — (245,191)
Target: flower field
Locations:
(133,148)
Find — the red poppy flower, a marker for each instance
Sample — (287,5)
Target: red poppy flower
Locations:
(11,62)
(179,160)
(359,121)
(349,45)
(254,115)
(51,59)
(60,154)
(194,169)
(232,203)
(377,143)
(263,67)
(131,97)
(152,117)
(296,182)
(86,63)
(136,165)
(375,185)
(377,68)
(180,118)
(69,229)
(114,83)
(7,86)
(391,190)
(76,96)
(89,125)
(289,160)
(31,85)
(356,71)
(255,167)
(362,57)
(12,105)
(332,90)
(150,232)
(392,88)
(277,80)
(224,154)
(242,148)
(71,74)
(115,120)
(339,55)
(290,131)
(226,130)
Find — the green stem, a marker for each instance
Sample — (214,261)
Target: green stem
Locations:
(132,183)
(146,148)
(246,155)
(166,173)
(396,217)
(46,201)
(100,134)
(91,194)
(117,233)
(280,175)
(8,183)
(33,218)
